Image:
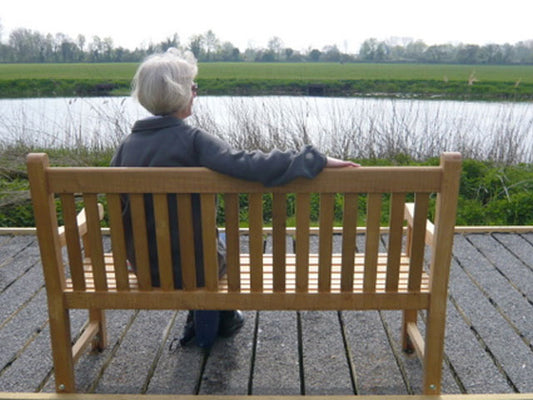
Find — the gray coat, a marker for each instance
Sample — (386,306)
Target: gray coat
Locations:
(168,141)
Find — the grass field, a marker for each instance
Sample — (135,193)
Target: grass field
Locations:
(282,71)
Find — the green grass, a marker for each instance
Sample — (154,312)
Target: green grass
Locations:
(335,71)
(282,71)
(82,71)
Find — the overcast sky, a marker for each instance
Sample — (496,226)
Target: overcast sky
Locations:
(301,24)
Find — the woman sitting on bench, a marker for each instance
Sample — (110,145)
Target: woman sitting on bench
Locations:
(164,85)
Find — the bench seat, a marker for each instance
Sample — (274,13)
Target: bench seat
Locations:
(268,275)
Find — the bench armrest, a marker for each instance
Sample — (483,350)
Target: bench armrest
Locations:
(409,216)
(81,221)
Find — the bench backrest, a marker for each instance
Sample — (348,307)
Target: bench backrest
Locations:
(61,191)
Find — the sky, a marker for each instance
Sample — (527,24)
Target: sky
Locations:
(300,24)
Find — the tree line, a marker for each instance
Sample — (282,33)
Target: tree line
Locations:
(27,46)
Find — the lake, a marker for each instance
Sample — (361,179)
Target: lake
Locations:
(343,127)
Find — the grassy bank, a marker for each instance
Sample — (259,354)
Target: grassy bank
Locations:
(479,82)
(490,193)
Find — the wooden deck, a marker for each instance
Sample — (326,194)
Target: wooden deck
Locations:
(489,342)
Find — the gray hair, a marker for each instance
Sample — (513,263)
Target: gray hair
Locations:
(163,82)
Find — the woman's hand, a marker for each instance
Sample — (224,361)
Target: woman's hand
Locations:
(336,163)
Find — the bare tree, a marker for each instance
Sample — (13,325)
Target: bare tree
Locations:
(275,44)
(212,44)
(196,43)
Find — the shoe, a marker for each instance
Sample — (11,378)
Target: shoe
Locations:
(230,323)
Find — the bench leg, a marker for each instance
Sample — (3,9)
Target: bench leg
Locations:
(409,316)
(100,341)
(61,349)
(434,354)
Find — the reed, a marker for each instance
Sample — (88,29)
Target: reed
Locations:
(397,129)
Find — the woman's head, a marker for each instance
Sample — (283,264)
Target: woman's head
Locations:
(164,82)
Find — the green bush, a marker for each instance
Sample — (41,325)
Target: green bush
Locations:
(490,193)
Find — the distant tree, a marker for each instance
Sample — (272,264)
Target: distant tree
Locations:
(49,51)
(196,43)
(265,56)
(250,54)
(288,53)
(314,55)
(212,44)
(414,51)
(275,44)
(108,46)
(508,53)
(96,48)
(27,45)
(490,54)
(172,41)
(69,51)
(442,53)
(331,54)
(80,41)
(367,51)
(523,52)
(468,54)
(228,52)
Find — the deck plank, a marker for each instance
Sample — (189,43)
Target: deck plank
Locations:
(276,367)
(325,366)
(179,370)
(228,367)
(130,369)
(375,366)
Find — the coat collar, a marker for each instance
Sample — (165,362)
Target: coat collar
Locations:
(156,123)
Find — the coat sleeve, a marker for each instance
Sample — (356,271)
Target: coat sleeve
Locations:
(272,169)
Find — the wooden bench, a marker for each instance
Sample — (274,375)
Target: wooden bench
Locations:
(386,274)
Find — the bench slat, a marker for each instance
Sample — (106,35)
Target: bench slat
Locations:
(279,239)
(372,240)
(209,229)
(186,241)
(349,230)
(72,237)
(231,203)
(162,234)
(94,235)
(169,180)
(325,245)
(160,300)
(395,240)
(303,209)
(119,242)
(255,201)
(418,240)
(138,222)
